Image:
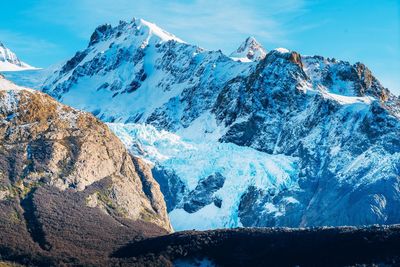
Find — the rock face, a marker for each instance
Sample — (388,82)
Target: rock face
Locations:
(9,60)
(202,195)
(61,168)
(332,120)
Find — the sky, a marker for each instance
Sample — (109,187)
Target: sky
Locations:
(47,32)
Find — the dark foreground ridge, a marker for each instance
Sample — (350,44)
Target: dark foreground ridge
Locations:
(343,246)
(339,246)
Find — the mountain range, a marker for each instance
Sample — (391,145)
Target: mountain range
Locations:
(180,137)
(319,137)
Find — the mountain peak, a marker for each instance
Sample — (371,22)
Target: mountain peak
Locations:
(145,31)
(9,60)
(249,50)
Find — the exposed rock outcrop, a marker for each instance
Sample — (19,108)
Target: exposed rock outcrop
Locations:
(203,194)
(62,170)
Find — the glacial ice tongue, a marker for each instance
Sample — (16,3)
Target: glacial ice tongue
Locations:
(193,161)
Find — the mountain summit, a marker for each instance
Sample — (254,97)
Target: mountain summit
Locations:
(143,30)
(10,62)
(249,50)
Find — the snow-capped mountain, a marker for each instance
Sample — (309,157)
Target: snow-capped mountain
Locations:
(249,50)
(126,63)
(332,122)
(10,62)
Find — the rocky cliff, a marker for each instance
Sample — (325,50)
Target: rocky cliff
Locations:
(67,182)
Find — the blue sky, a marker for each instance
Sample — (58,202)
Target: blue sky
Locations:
(45,32)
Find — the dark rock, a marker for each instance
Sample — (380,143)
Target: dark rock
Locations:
(171,186)
(203,194)
(99,33)
(73,62)
(218,202)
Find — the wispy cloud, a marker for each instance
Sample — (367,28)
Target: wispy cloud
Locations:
(208,23)
(213,22)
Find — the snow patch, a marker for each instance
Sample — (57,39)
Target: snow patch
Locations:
(241,59)
(204,128)
(6,85)
(154,30)
(282,50)
(348,100)
(7,66)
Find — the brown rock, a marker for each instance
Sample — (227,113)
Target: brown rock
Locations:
(43,142)
(296,58)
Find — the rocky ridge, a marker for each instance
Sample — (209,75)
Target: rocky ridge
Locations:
(65,178)
(340,246)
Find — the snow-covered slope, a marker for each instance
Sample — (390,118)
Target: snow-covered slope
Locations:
(249,50)
(10,62)
(129,72)
(335,118)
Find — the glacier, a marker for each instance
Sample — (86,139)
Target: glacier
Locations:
(192,160)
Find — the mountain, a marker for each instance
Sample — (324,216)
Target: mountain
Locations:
(126,62)
(249,50)
(291,140)
(10,62)
(68,186)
